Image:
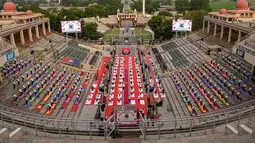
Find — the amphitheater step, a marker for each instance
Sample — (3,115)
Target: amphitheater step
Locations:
(4,134)
(15,135)
(230,130)
(129,140)
(243,129)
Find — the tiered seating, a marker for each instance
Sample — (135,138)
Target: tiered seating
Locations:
(74,51)
(15,67)
(243,87)
(160,60)
(178,54)
(52,87)
(210,87)
(94,58)
(238,65)
(29,79)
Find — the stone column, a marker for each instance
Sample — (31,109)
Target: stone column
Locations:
(13,40)
(215,29)
(208,27)
(37,32)
(25,22)
(22,37)
(2,42)
(44,30)
(203,25)
(143,7)
(49,27)
(239,36)
(30,34)
(221,32)
(229,35)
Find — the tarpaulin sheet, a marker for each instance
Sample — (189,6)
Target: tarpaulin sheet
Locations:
(70,61)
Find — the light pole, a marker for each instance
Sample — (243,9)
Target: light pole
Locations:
(52,49)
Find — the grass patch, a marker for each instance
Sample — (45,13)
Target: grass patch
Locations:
(114,32)
(217,6)
(146,35)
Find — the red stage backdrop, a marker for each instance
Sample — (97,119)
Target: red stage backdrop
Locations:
(125,51)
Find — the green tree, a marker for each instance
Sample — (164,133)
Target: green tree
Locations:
(150,6)
(96,10)
(71,2)
(182,5)
(111,5)
(197,18)
(163,13)
(90,31)
(199,4)
(161,27)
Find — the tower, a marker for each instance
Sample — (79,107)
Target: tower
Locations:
(143,7)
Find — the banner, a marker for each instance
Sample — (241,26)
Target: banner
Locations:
(126,51)
(10,56)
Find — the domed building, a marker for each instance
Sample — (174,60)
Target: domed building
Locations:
(22,27)
(9,7)
(231,25)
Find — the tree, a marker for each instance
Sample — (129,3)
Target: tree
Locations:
(90,31)
(197,18)
(150,6)
(199,4)
(182,5)
(161,27)
(111,5)
(71,2)
(96,10)
(163,13)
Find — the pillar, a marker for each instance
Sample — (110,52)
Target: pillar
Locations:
(49,27)
(22,37)
(229,35)
(203,25)
(25,22)
(37,32)
(143,7)
(44,30)
(30,34)
(215,29)
(239,36)
(221,32)
(208,27)
(13,40)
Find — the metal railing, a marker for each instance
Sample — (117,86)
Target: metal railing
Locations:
(44,126)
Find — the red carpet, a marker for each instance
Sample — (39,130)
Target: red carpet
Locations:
(136,87)
(126,101)
(109,109)
(126,80)
(100,73)
(154,79)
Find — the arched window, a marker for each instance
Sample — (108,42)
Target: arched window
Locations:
(251,15)
(242,15)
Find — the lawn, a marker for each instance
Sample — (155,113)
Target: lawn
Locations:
(217,6)
(146,35)
(114,32)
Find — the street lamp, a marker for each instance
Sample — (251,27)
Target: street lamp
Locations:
(52,49)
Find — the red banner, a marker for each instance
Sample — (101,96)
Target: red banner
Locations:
(125,51)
